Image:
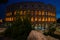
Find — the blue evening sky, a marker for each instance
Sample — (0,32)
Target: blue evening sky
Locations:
(53,2)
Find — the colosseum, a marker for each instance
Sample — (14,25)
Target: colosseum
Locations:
(41,14)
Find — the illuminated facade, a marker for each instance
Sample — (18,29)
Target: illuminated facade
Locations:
(41,14)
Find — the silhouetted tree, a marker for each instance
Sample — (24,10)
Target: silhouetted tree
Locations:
(20,28)
(52,28)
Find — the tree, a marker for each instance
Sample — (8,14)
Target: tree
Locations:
(52,28)
(20,28)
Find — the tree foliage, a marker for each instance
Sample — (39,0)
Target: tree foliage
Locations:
(52,28)
(20,28)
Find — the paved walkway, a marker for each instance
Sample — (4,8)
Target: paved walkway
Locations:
(36,35)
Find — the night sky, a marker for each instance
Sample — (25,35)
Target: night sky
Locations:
(53,2)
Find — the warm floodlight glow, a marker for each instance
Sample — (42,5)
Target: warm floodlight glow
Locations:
(35,18)
(24,12)
(9,14)
(42,18)
(39,19)
(9,19)
(39,12)
(0,20)
(32,19)
(48,19)
(14,12)
(21,12)
(42,12)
